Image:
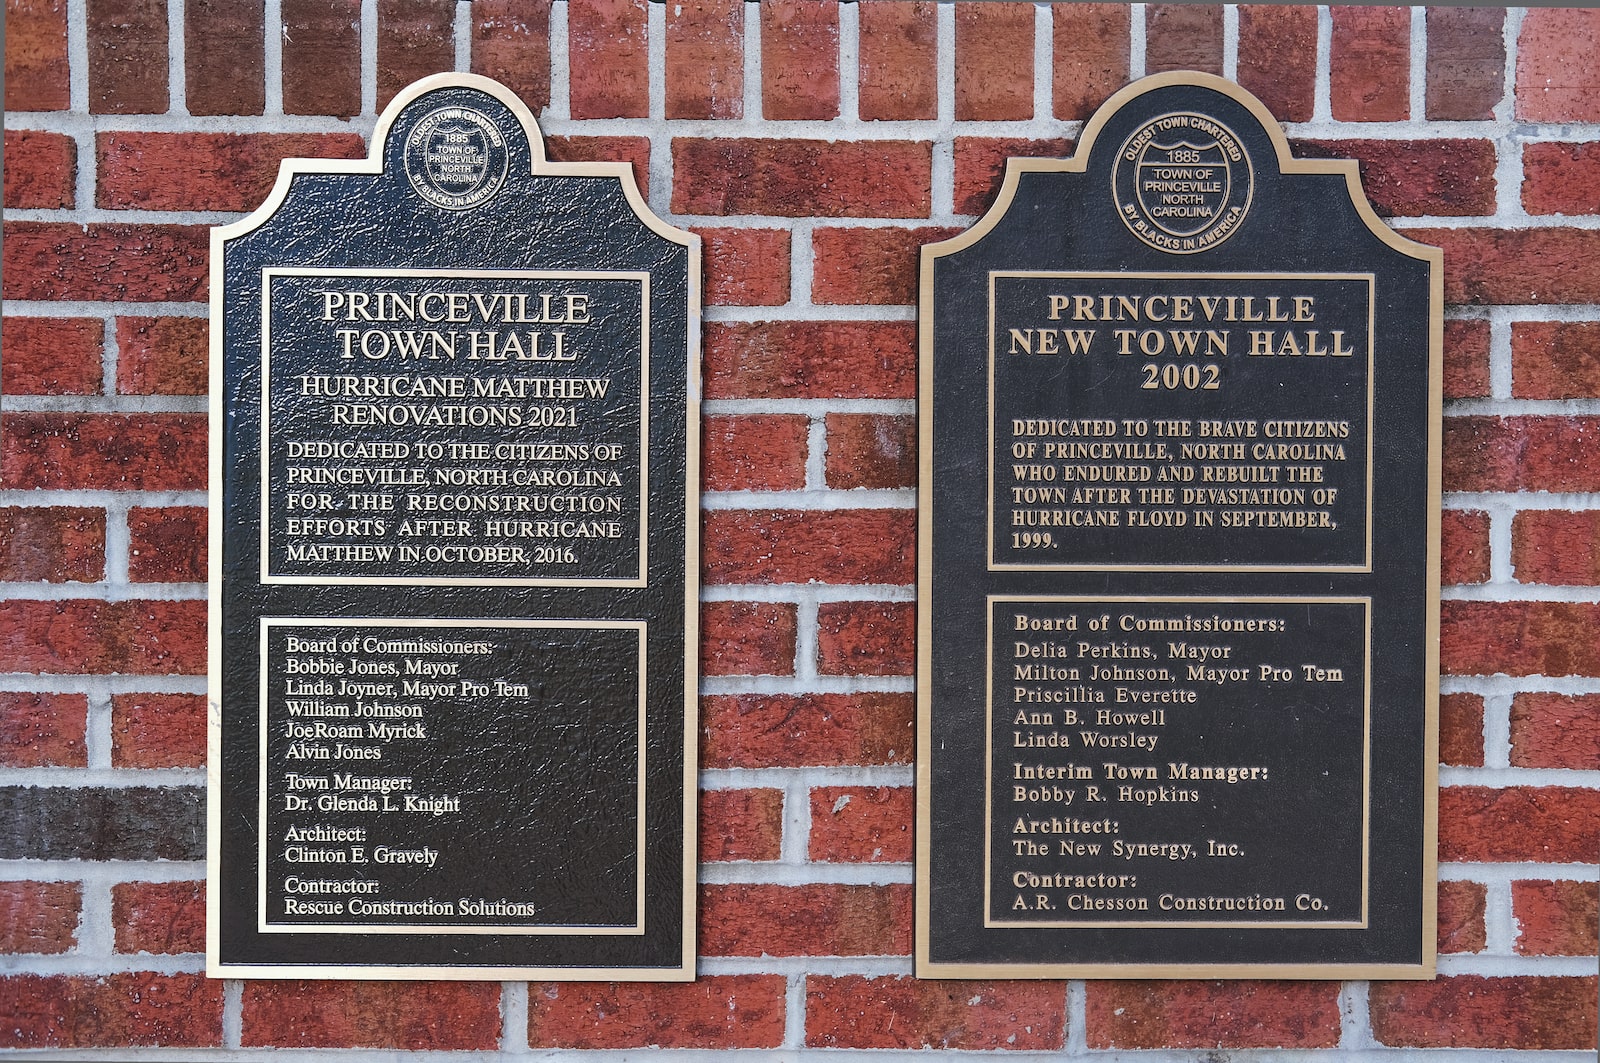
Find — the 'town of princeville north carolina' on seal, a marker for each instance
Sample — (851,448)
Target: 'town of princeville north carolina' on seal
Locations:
(456,158)
(1182,183)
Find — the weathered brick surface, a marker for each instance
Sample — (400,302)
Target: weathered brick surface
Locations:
(41,169)
(1461,730)
(110,1011)
(819,919)
(1556,918)
(101,823)
(163,355)
(1471,1011)
(801,546)
(415,38)
(1416,177)
(81,636)
(895,1011)
(1089,56)
(866,638)
(898,45)
(747,638)
(511,43)
(1555,359)
(321,56)
(53,260)
(161,918)
(1466,62)
(1561,177)
(1555,731)
(799,60)
(1558,65)
(1556,546)
(1462,905)
(1542,265)
(874,266)
(1278,57)
(134,452)
(745,267)
(413,1016)
(741,824)
(1519,638)
(871,450)
(224,56)
(791,731)
(980,166)
(127,56)
(608,45)
(993,81)
(51,356)
(1232,1014)
(635,151)
(705,59)
(1521,454)
(52,544)
(37,77)
(204,171)
(167,545)
(801,178)
(158,730)
(809,359)
(1370,64)
(1549,824)
(1183,37)
(861,824)
(43,730)
(39,918)
(1464,536)
(720,1011)
(1466,359)
(761,452)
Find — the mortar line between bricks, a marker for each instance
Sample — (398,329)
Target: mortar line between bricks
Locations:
(177,61)
(888,775)
(233,1013)
(807,592)
(713,686)
(1322,80)
(1230,42)
(1500,929)
(1511,965)
(779,873)
(87,496)
(1416,84)
(808,407)
(98,739)
(1497,730)
(794,844)
(560,106)
(1501,569)
(1505,111)
(99,308)
(794,1003)
(461,37)
(116,963)
(52,683)
(1501,778)
(272,57)
(369,60)
(1355,1022)
(107,404)
(757,315)
(1077,1018)
(1507,873)
(105,777)
(849,61)
(103,871)
(823,500)
(110,351)
(944,64)
(1137,42)
(1043,62)
(1495,684)
(1510,593)
(97,937)
(1513,500)
(514,1018)
(103,592)
(1500,357)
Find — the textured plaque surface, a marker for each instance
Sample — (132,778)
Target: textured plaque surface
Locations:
(1178,584)
(454,459)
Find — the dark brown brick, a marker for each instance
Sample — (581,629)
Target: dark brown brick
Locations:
(415,38)
(810,359)
(871,450)
(1461,912)
(994,61)
(809,546)
(163,355)
(154,263)
(101,823)
(52,544)
(204,171)
(716,1012)
(1278,57)
(608,49)
(112,452)
(705,59)
(1415,177)
(802,178)
(1231,1014)
(322,57)
(224,58)
(821,919)
(940,1016)
(1371,64)
(36,56)
(1090,45)
(167,545)
(1183,37)
(84,637)
(127,56)
(41,170)
(511,43)
(866,638)
(1466,62)
(1461,730)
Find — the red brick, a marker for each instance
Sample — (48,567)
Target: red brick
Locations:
(896,1011)
(1090,46)
(632,150)
(101,638)
(1546,265)
(36,56)
(41,170)
(511,43)
(1518,824)
(1183,37)
(161,918)
(149,263)
(718,1011)
(1466,62)
(810,359)
(791,731)
(980,166)
(747,638)
(745,267)
(1278,57)
(43,730)
(52,356)
(1519,638)
(871,450)
(110,1011)
(1234,1014)
(1461,730)
(799,60)
(705,59)
(861,824)
(1466,359)
(1556,546)
(52,544)
(1558,65)
(204,171)
(1371,64)
(866,638)
(810,546)
(224,56)
(1465,546)
(764,452)
(994,61)
(127,56)
(416,1016)
(1561,178)
(322,57)
(39,918)
(741,824)
(1411,178)
(1556,918)
(802,178)
(1521,454)
(897,67)
(167,545)
(608,56)
(821,919)
(134,452)
(877,266)
(1461,910)
(1555,359)
(1472,1011)
(158,730)
(415,38)
(162,355)
(1555,731)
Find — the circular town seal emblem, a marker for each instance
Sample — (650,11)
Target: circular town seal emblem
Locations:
(1182,183)
(456,158)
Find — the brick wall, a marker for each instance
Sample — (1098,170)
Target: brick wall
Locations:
(814,145)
